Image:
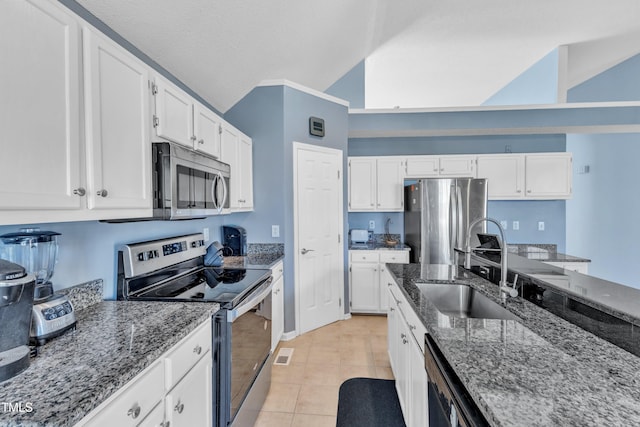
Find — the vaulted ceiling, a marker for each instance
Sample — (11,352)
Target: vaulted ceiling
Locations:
(425,52)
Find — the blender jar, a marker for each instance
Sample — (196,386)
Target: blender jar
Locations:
(35,250)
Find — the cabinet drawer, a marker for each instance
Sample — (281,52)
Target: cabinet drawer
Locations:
(415,325)
(398,257)
(364,256)
(129,407)
(186,354)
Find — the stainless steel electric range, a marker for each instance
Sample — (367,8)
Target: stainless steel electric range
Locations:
(173,269)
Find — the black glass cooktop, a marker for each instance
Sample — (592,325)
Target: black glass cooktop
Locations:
(225,286)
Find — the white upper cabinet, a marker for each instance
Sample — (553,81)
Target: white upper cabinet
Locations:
(376,184)
(39,109)
(435,166)
(362,184)
(542,176)
(173,119)
(118,147)
(548,175)
(237,152)
(207,129)
(504,174)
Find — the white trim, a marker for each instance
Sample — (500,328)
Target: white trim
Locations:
(288,336)
(568,105)
(305,89)
(391,133)
(296,253)
(346,316)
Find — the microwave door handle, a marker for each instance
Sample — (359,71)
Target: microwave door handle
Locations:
(214,199)
(224,191)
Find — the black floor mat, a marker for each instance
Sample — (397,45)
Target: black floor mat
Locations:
(369,402)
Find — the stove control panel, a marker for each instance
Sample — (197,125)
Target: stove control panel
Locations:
(145,257)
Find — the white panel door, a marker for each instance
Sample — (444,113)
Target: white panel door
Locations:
(40,108)
(318,235)
(365,287)
(206,127)
(504,174)
(362,184)
(390,184)
(548,175)
(117,126)
(174,113)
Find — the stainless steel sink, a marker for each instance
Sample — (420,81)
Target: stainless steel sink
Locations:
(463,301)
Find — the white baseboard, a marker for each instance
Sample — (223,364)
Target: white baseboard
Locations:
(288,336)
(346,316)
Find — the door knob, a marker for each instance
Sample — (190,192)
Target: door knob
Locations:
(304,251)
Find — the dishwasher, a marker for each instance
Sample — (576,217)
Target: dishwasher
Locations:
(450,405)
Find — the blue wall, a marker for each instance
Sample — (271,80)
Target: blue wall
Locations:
(276,116)
(602,222)
(350,87)
(537,85)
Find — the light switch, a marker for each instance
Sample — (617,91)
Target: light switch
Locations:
(540,225)
(275,231)
(372,225)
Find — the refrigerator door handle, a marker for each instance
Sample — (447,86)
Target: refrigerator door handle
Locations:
(453,215)
(460,226)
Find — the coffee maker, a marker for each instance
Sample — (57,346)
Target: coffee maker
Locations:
(234,240)
(16,301)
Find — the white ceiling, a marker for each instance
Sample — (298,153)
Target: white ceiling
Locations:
(421,53)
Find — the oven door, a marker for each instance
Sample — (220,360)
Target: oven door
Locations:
(242,343)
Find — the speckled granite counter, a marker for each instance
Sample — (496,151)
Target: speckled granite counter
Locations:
(543,252)
(113,342)
(540,371)
(374,246)
(257,260)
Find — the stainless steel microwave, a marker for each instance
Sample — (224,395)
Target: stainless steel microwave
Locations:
(188,184)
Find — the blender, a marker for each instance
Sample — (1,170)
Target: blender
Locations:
(37,252)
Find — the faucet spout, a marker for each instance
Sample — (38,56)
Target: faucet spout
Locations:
(505,289)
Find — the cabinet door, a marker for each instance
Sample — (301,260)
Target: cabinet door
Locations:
(362,184)
(392,330)
(190,402)
(40,108)
(390,184)
(365,285)
(385,280)
(230,140)
(245,164)
(403,376)
(206,128)
(457,166)
(174,113)
(118,147)
(422,166)
(277,312)
(504,174)
(548,175)
(417,401)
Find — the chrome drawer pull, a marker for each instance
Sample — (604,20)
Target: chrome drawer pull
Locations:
(134,412)
(179,407)
(197,350)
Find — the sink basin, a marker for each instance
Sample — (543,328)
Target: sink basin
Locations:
(463,301)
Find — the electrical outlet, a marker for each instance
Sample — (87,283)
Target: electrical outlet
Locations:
(205,233)
(516,225)
(372,225)
(275,231)
(540,225)
(503,224)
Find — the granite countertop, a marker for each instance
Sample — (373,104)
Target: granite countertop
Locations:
(253,260)
(543,252)
(113,342)
(539,371)
(375,246)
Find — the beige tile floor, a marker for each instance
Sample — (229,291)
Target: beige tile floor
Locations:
(305,393)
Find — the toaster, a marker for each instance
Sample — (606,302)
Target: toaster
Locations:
(359,236)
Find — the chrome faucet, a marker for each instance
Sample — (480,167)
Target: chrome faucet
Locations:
(505,289)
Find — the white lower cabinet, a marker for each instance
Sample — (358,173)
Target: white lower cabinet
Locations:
(368,278)
(406,354)
(176,390)
(277,305)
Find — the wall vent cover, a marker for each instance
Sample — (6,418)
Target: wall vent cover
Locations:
(284,356)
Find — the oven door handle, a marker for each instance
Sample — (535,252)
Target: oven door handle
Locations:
(261,293)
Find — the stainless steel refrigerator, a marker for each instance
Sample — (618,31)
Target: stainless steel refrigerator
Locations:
(437,217)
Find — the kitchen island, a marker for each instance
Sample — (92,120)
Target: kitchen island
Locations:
(538,371)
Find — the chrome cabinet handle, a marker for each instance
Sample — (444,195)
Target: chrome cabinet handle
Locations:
(412,327)
(392,309)
(134,412)
(201,141)
(404,341)
(165,424)
(403,336)
(197,350)
(102,193)
(304,251)
(193,138)
(80,191)
(179,407)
